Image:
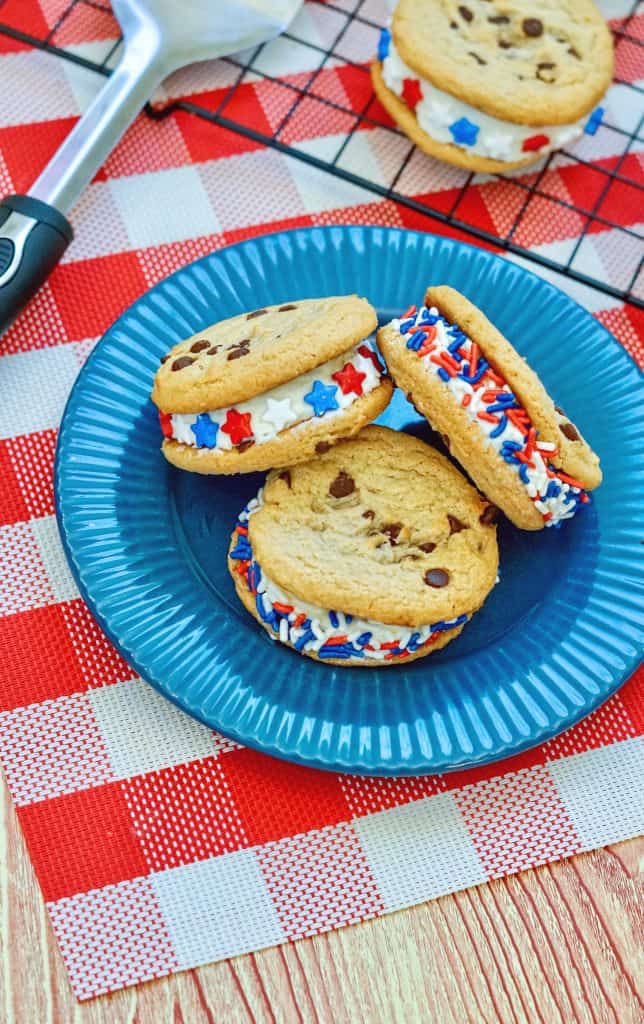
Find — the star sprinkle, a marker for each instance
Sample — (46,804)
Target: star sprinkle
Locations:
(534,142)
(412,93)
(205,431)
(165,419)
(500,144)
(368,353)
(594,121)
(383,44)
(322,398)
(349,379)
(278,413)
(237,425)
(464,132)
(439,109)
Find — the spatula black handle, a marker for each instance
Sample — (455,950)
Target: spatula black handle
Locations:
(33,237)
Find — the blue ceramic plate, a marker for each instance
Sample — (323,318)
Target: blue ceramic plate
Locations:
(147,543)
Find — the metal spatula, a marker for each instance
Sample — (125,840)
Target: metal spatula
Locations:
(159,37)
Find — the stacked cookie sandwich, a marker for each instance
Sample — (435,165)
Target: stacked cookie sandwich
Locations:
(377,552)
(495,415)
(492,85)
(270,387)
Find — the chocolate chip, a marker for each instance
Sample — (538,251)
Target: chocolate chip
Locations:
(426,546)
(342,485)
(392,530)
(455,525)
(199,346)
(436,577)
(244,445)
(574,53)
(532,27)
(479,60)
(239,349)
(213,350)
(446,441)
(181,362)
(286,477)
(488,515)
(453,24)
(368,514)
(285,309)
(544,71)
(164,359)
(322,447)
(505,44)
(258,312)
(559,410)
(569,430)
(499,19)
(465,13)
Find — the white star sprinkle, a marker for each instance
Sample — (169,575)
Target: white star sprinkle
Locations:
(443,112)
(279,414)
(501,146)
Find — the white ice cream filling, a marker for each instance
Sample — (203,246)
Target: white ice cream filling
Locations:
(310,396)
(438,112)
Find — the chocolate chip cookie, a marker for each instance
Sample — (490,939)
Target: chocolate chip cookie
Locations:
(492,85)
(376,552)
(270,387)
(521,450)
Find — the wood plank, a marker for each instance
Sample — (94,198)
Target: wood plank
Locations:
(561,943)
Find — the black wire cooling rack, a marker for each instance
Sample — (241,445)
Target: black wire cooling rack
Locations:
(527,196)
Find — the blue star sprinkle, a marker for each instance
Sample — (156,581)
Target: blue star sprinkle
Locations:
(464,132)
(205,431)
(322,398)
(383,44)
(594,121)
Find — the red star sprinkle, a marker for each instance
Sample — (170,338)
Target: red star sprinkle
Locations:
(349,379)
(165,419)
(534,142)
(237,424)
(412,93)
(368,353)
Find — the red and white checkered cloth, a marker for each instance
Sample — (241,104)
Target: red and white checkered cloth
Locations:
(158,844)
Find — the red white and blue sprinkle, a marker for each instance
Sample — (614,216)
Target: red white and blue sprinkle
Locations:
(322,398)
(383,44)
(327,633)
(594,121)
(205,431)
(464,132)
(489,401)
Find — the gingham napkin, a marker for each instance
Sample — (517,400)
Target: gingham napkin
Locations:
(160,845)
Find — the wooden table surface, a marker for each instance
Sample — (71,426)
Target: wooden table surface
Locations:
(559,944)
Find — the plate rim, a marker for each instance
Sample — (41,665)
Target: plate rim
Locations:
(337,764)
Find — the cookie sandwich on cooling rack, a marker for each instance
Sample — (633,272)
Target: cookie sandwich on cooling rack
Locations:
(495,415)
(492,85)
(377,552)
(271,387)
